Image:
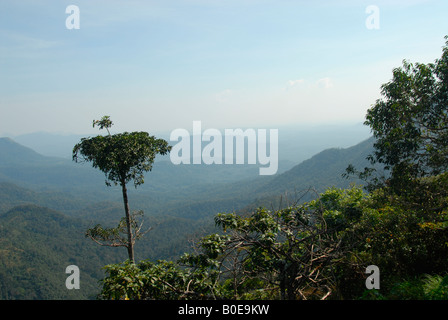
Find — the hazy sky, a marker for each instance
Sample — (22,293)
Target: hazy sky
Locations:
(160,65)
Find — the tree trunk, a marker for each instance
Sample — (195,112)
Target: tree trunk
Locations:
(130,245)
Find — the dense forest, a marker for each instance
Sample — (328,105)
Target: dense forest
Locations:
(309,232)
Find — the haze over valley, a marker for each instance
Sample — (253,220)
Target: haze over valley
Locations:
(179,201)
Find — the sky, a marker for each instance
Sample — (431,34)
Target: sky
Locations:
(158,65)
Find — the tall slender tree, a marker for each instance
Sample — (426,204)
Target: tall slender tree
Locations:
(123,157)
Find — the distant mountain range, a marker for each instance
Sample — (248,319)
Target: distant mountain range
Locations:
(296,143)
(47,203)
(182,190)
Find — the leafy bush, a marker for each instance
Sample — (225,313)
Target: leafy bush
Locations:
(315,250)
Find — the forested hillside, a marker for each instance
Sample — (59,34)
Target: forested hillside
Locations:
(37,244)
(47,204)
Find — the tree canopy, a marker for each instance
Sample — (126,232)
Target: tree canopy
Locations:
(410,121)
(123,157)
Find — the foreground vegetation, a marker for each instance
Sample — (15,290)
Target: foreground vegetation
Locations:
(319,249)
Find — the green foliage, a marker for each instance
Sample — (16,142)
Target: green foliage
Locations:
(410,123)
(320,249)
(122,157)
(409,230)
(436,287)
(163,280)
(424,287)
(405,235)
(284,254)
(105,122)
(117,237)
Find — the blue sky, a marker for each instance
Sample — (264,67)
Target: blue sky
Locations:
(160,65)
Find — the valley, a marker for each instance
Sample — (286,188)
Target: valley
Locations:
(48,202)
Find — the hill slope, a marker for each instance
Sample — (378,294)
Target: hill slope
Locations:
(14,153)
(323,170)
(37,244)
